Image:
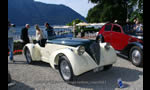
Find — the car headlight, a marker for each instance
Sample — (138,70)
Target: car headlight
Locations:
(107,46)
(81,50)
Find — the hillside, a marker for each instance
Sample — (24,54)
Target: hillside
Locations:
(21,12)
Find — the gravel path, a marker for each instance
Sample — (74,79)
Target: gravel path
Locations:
(40,76)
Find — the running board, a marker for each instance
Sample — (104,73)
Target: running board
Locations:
(119,53)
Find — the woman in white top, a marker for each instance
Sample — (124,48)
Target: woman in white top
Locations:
(39,33)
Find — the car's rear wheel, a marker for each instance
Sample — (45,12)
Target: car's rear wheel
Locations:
(65,69)
(136,56)
(28,56)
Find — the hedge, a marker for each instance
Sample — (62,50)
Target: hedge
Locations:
(18,46)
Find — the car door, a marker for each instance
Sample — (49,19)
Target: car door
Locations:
(107,33)
(44,53)
(118,39)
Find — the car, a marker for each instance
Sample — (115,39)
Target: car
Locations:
(126,43)
(72,56)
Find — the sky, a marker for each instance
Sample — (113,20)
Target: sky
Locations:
(80,6)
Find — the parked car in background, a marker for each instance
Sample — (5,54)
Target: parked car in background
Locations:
(127,43)
(72,56)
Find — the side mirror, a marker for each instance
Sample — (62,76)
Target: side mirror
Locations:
(99,38)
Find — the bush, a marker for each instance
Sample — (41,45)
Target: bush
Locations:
(90,29)
(18,46)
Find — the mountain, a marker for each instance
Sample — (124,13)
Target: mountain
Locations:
(21,12)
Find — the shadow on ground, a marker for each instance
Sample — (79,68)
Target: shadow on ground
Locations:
(20,86)
(107,80)
(35,63)
(40,63)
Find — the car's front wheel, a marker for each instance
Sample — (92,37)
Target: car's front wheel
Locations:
(28,56)
(65,69)
(107,67)
(136,56)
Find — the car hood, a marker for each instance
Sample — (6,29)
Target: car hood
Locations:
(70,41)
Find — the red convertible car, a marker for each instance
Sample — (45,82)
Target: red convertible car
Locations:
(129,44)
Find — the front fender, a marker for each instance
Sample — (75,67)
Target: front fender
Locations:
(30,47)
(80,64)
(34,51)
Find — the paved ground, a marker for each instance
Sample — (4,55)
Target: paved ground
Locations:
(40,76)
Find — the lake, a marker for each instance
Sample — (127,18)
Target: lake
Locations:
(61,31)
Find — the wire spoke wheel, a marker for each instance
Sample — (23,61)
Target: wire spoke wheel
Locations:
(136,56)
(65,70)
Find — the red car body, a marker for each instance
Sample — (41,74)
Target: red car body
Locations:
(119,39)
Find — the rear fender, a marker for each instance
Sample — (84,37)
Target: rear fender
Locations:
(129,46)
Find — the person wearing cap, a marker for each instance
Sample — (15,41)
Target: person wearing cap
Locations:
(24,34)
(11,32)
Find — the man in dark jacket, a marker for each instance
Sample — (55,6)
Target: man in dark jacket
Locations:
(50,31)
(24,34)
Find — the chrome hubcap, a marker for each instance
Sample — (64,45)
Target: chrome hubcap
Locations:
(65,70)
(136,56)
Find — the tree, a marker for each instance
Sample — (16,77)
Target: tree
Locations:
(138,12)
(76,22)
(110,10)
(107,10)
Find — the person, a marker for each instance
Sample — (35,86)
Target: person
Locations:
(50,31)
(82,32)
(138,27)
(24,34)
(74,30)
(11,32)
(127,27)
(39,34)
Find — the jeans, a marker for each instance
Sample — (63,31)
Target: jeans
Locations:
(10,47)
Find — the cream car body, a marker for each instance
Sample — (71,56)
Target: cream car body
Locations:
(80,64)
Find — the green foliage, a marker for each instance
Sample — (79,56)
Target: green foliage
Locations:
(18,45)
(110,10)
(107,10)
(85,29)
(76,22)
(138,13)
(135,14)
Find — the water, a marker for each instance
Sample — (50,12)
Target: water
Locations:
(60,32)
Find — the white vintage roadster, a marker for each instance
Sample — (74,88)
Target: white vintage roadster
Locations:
(72,56)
